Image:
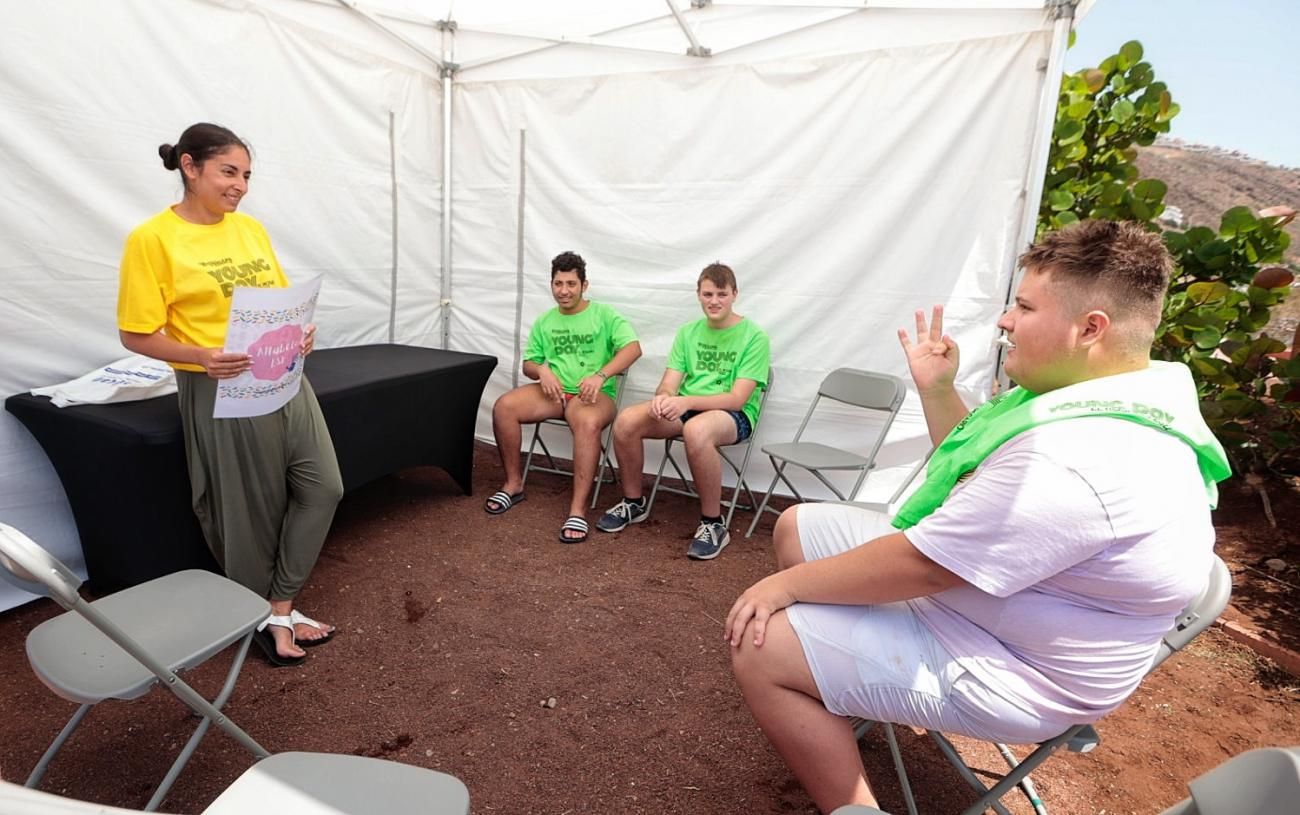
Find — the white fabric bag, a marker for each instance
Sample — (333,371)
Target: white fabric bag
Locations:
(126,380)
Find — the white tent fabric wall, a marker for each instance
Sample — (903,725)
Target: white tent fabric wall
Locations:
(90,89)
(843,194)
(851,164)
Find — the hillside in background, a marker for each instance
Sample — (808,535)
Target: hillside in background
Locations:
(1204,182)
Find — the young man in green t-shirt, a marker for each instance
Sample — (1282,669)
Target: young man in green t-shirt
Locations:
(709,395)
(573,351)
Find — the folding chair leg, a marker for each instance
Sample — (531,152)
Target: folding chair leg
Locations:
(197,736)
(758,514)
(39,770)
(899,769)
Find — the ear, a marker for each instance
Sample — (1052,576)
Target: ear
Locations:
(1094,326)
(188,167)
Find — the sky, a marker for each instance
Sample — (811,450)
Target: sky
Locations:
(1231,66)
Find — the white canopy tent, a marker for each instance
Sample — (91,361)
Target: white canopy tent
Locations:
(851,161)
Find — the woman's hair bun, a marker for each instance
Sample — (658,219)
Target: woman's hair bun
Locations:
(168,155)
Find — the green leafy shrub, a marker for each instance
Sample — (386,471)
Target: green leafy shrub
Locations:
(1223,290)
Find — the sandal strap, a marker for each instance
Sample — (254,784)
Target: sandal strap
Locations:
(298,618)
(576,523)
(282,620)
(502,499)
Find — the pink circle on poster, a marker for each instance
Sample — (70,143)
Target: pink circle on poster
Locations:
(274,352)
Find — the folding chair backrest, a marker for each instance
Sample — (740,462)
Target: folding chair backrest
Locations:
(1199,614)
(764,390)
(34,570)
(865,389)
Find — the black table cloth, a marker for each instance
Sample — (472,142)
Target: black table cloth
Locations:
(123,465)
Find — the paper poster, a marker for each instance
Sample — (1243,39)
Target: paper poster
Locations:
(268,325)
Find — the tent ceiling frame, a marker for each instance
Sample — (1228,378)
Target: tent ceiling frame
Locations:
(695,49)
(374,20)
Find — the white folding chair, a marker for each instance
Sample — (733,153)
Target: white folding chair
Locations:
(726,451)
(875,392)
(119,646)
(1080,738)
(553,466)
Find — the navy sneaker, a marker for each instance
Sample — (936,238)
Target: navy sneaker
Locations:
(617,517)
(710,540)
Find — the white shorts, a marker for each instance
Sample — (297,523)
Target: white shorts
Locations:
(881,662)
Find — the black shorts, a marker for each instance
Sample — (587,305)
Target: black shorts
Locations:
(743,428)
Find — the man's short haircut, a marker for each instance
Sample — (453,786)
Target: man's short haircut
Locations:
(1116,266)
(720,275)
(569,262)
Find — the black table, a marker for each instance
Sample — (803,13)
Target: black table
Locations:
(123,465)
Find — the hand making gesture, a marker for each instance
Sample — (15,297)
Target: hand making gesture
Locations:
(934,357)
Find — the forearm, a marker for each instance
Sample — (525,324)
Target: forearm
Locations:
(944,409)
(160,346)
(884,570)
(622,360)
(533,370)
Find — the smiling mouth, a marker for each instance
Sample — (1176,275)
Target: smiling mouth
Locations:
(1005,342)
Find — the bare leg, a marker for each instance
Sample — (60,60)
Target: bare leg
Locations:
(283,636)
(587,423)
(818,746)
(523,405)
(702,435)
(632,427)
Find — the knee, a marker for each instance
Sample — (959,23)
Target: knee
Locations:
(625,428)
(588,427)
(785,539)
(697,437)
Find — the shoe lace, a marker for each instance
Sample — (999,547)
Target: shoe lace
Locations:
(705,533)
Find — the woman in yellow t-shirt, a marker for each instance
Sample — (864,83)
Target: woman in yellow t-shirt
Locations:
(264,488)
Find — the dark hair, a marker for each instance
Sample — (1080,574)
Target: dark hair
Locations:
(201,142)
(1117,263)
(569,262)
(720,275)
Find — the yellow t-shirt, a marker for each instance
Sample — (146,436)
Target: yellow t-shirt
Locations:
(179,276)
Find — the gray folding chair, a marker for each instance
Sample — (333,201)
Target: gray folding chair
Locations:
(1081,738)
(726,451)
(297,783)
(1258,782)
(552,466)
(881,393)
(119,646)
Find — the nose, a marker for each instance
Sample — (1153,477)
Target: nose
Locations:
(1005,322)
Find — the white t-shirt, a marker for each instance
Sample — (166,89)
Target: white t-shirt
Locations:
(1082,540)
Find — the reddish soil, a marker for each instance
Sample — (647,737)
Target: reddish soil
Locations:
(457,628)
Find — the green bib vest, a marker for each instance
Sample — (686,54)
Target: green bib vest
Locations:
(1161,396)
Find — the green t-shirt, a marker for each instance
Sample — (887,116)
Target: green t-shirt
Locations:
(711,360)
(574,346)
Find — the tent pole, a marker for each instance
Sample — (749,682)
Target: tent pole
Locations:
(696,50)
(448,70)
(519,257)
(1062,14)
(392,169)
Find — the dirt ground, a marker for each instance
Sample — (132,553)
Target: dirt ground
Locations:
(457,628)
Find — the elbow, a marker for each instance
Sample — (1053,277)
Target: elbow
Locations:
(130,340)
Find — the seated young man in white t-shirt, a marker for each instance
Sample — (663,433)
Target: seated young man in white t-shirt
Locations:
(1026,584)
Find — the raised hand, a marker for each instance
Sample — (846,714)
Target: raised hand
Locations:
(933,358)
